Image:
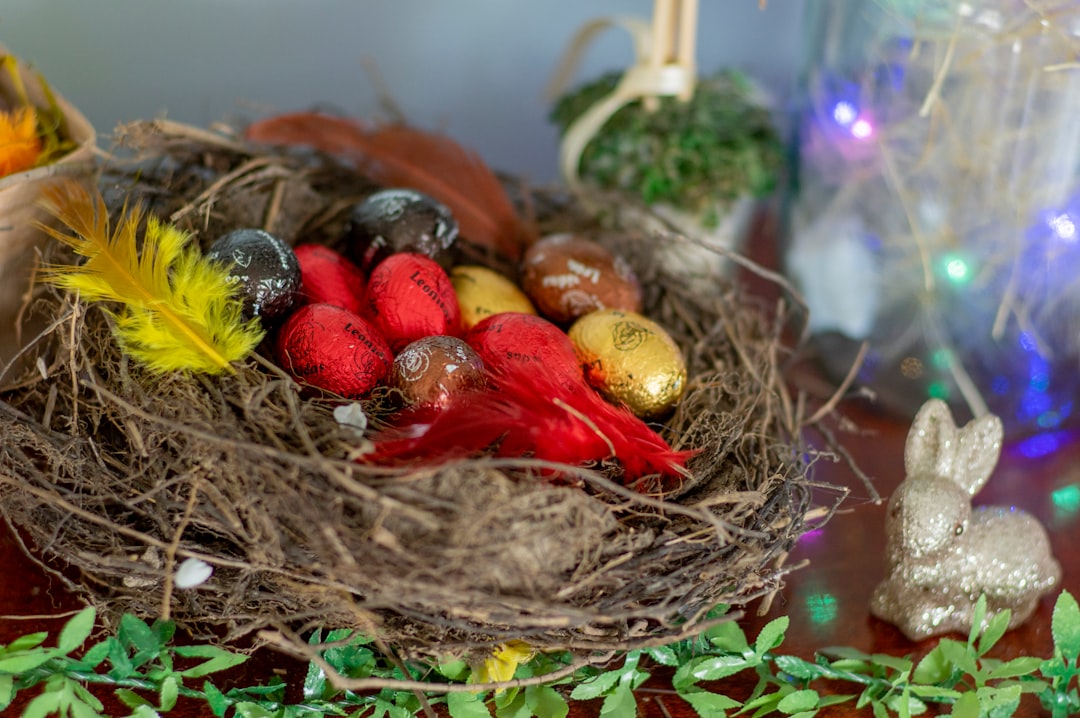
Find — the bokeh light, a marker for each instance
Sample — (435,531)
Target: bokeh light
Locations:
(822,607)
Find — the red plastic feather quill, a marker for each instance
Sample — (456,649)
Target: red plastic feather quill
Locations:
(400,156)
(529,413)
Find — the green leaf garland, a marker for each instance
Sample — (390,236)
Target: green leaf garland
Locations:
(138,665)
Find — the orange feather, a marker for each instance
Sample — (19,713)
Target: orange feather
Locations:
(400,156)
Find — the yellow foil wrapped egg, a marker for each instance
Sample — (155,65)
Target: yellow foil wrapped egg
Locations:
(482,292)
(630,359)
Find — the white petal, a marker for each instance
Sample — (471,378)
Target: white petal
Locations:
(192,572)
(351,415)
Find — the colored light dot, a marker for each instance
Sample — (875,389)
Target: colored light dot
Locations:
(1039,381)
(938,390)
(957,270)
(1049,420)
(1027,342)
(1033,404)
(1067,498)
(844,113)
(822,607)
(861,129)
(1039,445)
(911,367)
(1064,227)
(941,359)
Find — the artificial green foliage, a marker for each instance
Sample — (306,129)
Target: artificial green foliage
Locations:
(149,674)
(698,155)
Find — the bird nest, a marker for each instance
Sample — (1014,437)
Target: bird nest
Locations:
(117,476)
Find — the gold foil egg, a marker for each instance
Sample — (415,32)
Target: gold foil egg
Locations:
(630,359)
(482,292)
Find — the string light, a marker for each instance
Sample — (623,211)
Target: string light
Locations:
(822,607)
(861,129)
(1067,498)
(989,208)
(957,269)
(844,113)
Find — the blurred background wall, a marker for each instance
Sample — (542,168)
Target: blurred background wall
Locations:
(473,68)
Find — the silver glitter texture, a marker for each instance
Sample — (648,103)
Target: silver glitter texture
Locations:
(941,554)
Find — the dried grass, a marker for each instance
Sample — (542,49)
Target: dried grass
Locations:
(121,475)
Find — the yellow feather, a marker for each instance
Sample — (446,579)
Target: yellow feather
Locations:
(179,313)
(503,662)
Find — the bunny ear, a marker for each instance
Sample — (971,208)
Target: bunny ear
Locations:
(936,447)
(977,451)
(930,441)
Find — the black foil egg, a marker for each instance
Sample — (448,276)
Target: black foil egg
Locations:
(266,268)
(397,220)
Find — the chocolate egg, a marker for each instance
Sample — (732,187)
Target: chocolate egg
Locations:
(433,371)
(409,296)
(568,276)
(266,269)
(328,277)
(630,359)
(398,220)
(333,349)
(482,292)
(525,340)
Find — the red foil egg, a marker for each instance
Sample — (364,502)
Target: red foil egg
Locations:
(526,340)
(410,296)
(431,372)
(328,277)
(331,348)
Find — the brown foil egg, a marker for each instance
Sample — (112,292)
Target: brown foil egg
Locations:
(568,276)
(630,359)
(482,292)
(432,371)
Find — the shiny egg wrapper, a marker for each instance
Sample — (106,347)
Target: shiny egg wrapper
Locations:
(434,371)
(482,292)
(631,360)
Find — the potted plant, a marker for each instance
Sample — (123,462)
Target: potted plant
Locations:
(699,165)
(42,137)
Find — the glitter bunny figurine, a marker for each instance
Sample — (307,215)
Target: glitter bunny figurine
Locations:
(942,554)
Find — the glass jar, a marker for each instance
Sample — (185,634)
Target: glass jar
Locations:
(936,208)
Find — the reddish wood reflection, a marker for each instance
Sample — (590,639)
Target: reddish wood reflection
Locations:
(826,599)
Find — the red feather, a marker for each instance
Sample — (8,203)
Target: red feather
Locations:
(400,156)
(530,413)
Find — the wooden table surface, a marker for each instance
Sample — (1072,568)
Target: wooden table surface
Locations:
(826,599)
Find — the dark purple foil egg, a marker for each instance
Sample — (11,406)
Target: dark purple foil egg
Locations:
(266,269)
(397,220)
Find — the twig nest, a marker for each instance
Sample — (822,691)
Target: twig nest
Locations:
(264,477)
